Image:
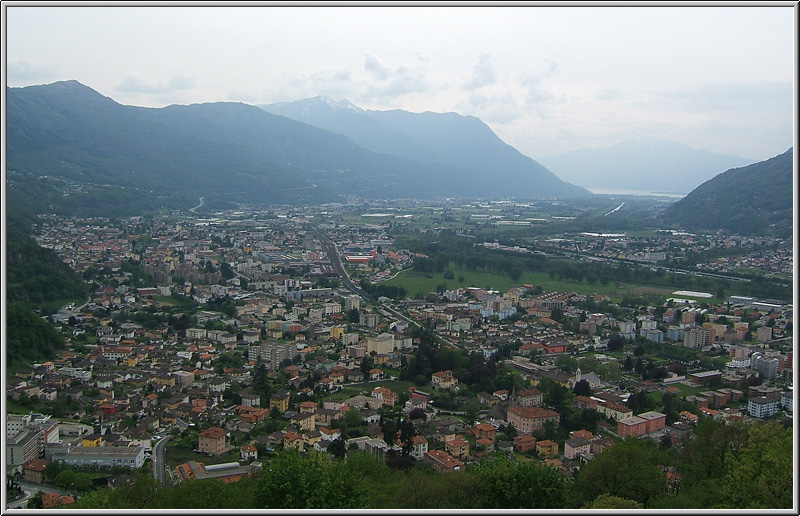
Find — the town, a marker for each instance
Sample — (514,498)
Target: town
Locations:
(211,343)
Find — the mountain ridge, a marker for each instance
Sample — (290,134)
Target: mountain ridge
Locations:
(68,135)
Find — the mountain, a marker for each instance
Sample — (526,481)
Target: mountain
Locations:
(74,151)
(756,200)
(462,143)
(645,164)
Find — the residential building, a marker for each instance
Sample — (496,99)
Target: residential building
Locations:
(212,441)
(547,448)
(577,447)
(126,456)
(444,380)
(442,461)
(697,337)
(528,419)
(762,407)
(382,344)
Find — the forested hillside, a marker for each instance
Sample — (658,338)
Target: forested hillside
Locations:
(752,200)
(37,281)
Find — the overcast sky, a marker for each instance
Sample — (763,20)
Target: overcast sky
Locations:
(546,79)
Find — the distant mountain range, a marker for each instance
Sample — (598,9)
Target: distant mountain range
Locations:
(752,200)
(461,143)
(71,150)
(644,164)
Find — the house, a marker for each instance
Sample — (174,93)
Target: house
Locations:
(458,448)
(248,452)
(762,407)
(50,500)
(599,444)
(280,400)
(614,410)
(293,440)
(547,448)
(631,427)
(528,419)
(490,400)
(303,421)
(485,431)
(524,443)
(419,447)
(577,447)
(584,403)
(34,470)
(527,398)
(385,396)
(443,380)
(212,441)
(442,461)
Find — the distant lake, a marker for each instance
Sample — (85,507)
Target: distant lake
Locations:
(604,191)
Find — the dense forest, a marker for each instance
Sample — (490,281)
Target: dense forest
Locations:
(719,466)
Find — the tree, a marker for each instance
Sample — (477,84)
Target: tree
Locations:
(629,469)
(760,476)
(418,413)
(337,447)
(290,481)
(606,501)
(471,410)
(506,484)
(628,365)
(582,388)
(366,367)
(615,343)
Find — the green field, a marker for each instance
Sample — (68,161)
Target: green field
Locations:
(415,282)
(355,390)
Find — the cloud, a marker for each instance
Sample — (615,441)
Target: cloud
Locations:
(611,94)
(400,81)
(375,67)
(496,109)
(134,84)
(726,97)
(482,73)
(27,72)
(535,93)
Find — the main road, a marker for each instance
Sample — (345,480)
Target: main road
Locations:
(160,460)
(333,256)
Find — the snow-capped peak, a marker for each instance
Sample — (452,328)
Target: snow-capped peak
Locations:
(340,104)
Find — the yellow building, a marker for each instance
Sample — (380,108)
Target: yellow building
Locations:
(382,344)
(281,400)
(93,441)
(337,332)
